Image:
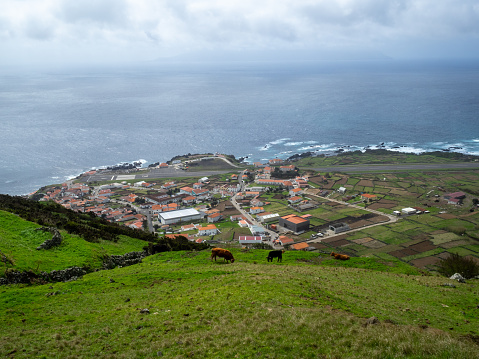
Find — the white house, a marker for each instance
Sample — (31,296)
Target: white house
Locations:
(208,230)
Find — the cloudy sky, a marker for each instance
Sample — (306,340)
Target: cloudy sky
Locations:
(51,31)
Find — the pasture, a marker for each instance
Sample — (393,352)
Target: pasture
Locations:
(205,309)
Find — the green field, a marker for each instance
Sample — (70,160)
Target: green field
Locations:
(308,306)
(19,240)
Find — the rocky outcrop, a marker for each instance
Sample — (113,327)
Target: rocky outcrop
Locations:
(28,277)
(73,273)
(50,243)
(64,275)
(127,259)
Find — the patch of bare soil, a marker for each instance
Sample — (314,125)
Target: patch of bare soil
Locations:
(446,216)
(424,262)
(423,246)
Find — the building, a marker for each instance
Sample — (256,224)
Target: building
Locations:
(283,240)
(255,210)
(178,216)
(339,227)
(408,211)
(257,231)
(455,198)
(267,217)
(294,223)
(248,240)
(300,246)
(209,230)
(215,217)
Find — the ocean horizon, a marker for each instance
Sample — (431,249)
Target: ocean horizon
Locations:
(58,123)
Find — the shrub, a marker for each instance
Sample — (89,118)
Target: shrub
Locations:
(467,267)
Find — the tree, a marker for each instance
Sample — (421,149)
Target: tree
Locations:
(467,267)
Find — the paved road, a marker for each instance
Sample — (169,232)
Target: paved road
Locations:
(403,167)
(391,217)
(154,173)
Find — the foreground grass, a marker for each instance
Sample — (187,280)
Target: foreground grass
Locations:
(304,307)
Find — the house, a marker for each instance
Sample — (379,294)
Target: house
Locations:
(408,211)
(198,185)
(259,164)
(455,198)
(163,165)
(368,197)
(234,177)
(237,217)
(186,190)
(341,190)
(287,168)
(267,170)
(215,217)
(339,227)
(255,210)
(188,227)
(283,240)
(294,223)
(247,240)
(300,246)
(189,200)
(168,185)
(275,161)
(243,223)
(208,230)
(295,192)
(295,199)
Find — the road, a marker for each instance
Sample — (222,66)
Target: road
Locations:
(403,167)
(153,173)
(272,235)
(391,217)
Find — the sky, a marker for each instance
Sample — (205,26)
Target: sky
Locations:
(116,31)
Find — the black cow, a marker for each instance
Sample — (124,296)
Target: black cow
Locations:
(275,254)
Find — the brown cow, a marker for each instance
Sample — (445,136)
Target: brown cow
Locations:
(222,253)
(342,257)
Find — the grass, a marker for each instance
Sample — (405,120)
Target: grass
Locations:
(19,240)
(308,306)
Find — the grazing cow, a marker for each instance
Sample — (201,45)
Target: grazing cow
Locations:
(275,254)
(342,257)
(222,253)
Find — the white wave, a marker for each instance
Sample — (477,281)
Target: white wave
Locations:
(408,149)
(280,141)
(293,143)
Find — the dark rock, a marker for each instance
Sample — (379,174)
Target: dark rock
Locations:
(458,277)
(145,311)
(125,260)
(448,285)
(50,243)
(372,320)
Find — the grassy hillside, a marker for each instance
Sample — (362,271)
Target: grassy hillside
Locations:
(19,240)
(383,157)
(308,306)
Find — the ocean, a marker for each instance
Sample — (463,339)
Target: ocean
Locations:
(59,122)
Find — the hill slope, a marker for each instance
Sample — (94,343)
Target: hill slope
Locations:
(309,306)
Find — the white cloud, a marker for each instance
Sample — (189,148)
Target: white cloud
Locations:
(146,29)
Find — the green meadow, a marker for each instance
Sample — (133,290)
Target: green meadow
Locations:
(307,306)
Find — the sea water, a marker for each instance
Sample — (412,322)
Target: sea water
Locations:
(57,123)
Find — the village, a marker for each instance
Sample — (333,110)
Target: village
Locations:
(276,205)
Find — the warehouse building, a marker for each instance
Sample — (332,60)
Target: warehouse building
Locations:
(181,215)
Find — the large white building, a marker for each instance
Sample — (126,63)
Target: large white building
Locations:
(178,216)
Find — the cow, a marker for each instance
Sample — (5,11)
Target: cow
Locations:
(222,253)
(342,257)
(275,254)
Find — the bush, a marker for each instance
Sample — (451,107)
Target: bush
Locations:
(467,267)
